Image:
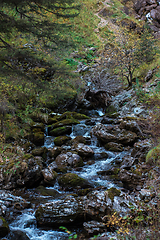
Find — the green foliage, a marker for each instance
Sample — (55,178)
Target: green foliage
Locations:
(128,50)
(72,235)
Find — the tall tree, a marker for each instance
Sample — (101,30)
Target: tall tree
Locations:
(128,50)
(42,22)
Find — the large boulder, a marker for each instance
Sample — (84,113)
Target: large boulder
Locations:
(68,160)
(96,205)
(114,134)
(98,98)
(61,131)
(60,140)
(49,176)
(22,173)
(10,205)
(59,212)
(84,150)
(130,179)
(73,181)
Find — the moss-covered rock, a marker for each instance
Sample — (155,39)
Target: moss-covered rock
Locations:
(74,115)
(153,156)
(4,228)
(112,192)
(59,141)
(37,125)
(47,192)
(63,123)
(38,138)
(54,152)
(72,180)
(115,147)
(61,131)
(111,111)
(42,151)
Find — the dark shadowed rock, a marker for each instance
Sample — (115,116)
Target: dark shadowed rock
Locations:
(4,228)
(84,150)
(94,227)
(59,212)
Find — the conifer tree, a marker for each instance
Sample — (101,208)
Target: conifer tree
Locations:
(42,22)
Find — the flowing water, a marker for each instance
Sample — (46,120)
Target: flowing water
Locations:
(101,161)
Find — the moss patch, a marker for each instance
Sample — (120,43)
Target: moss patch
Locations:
(59,141)
(153,156)
(71,180)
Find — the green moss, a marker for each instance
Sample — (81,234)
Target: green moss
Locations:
(153,156)
(112,192)
(59,141)
(111,111)
(27,156)
(64,123)
(71,180)
(38,138)
(47,192)
(61,131)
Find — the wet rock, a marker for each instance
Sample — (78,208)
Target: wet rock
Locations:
(121,99)
(84,150)
(17,235)
(10,205)
(97,204)
(146,195)
(121,205)
(106,134)
(68,160)
(72,180)
(73,115)
(54,152)
(78,139)
(49,176)
(107,120)
(61,131)
(140,150)
(47,191)
(129,179)
(90,122)
(115,147)
(131,126)
(138,110)
(127,162)
(42,151)
(4,228)
(59,141)
(63,123)
(149,76)
(94,227)
(59,212)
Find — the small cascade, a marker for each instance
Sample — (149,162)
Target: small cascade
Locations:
(26,223)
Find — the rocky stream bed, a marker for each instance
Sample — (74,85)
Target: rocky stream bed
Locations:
(80,170)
